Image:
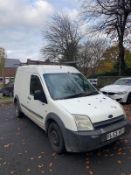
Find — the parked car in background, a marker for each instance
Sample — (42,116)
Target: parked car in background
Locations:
(93,81)
(8,89)
(0,89)
(120,90)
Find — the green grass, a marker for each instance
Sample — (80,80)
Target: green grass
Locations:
(6,100)
(1,85)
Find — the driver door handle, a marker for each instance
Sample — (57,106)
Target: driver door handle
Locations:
(29,98)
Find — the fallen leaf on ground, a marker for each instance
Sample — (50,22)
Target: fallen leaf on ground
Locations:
(91,172)
(32,158)
(40,166)
(43,172)
(54,154)
(28,170)
(87,167)
(50,170)
(51,164)
(12,172)
(87,162)
(119,162)
(19,153)
(4,163)
(7,146)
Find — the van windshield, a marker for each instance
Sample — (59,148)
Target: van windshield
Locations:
(68,85)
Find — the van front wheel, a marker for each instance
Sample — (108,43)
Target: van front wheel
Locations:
(55,138)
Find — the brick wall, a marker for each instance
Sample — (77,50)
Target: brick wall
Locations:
(9,72)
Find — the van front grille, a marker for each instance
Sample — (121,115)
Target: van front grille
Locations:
(109,122)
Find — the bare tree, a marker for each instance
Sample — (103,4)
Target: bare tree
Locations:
(113,17)
(62,38)
(90,55)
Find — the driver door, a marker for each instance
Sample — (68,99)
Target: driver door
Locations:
(36,108)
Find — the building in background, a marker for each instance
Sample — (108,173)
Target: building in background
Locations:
(2,62)
(10,69)
(2,53)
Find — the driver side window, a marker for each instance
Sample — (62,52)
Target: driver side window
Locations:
(35,85)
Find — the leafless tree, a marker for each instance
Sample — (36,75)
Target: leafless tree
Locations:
(62,38)
(90,55)
(113,17)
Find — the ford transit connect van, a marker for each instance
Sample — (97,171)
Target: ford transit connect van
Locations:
(75,116)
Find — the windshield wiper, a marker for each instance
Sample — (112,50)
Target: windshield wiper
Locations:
(93,93)
(82,94)
(75,96)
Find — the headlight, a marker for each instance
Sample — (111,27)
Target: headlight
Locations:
(124,113)
(122,93)
(83,123)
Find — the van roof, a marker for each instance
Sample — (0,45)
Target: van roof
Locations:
(43,69)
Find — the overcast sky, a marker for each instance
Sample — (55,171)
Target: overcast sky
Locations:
(21,23)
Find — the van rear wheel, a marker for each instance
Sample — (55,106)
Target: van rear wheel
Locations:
(18,112)
(56,138)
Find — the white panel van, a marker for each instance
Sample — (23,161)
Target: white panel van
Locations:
(75,116)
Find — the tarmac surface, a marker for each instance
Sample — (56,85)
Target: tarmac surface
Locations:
(25,150)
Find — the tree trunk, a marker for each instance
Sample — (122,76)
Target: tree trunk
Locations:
(121,60)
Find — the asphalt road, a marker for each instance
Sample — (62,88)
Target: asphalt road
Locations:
(25,150)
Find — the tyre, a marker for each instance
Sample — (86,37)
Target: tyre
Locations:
(56,138)
(129,98)
(18,112)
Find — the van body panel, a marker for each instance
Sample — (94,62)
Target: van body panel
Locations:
(31,107)
(98,107)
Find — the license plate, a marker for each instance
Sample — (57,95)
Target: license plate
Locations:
(115,134)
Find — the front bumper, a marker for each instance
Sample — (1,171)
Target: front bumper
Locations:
(90,140)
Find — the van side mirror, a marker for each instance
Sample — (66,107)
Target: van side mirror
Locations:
(39,95)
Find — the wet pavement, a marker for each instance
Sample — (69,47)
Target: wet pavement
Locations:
(25,150)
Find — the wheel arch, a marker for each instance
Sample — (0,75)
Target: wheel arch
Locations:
(65,132)
(16,100)
(52,117)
